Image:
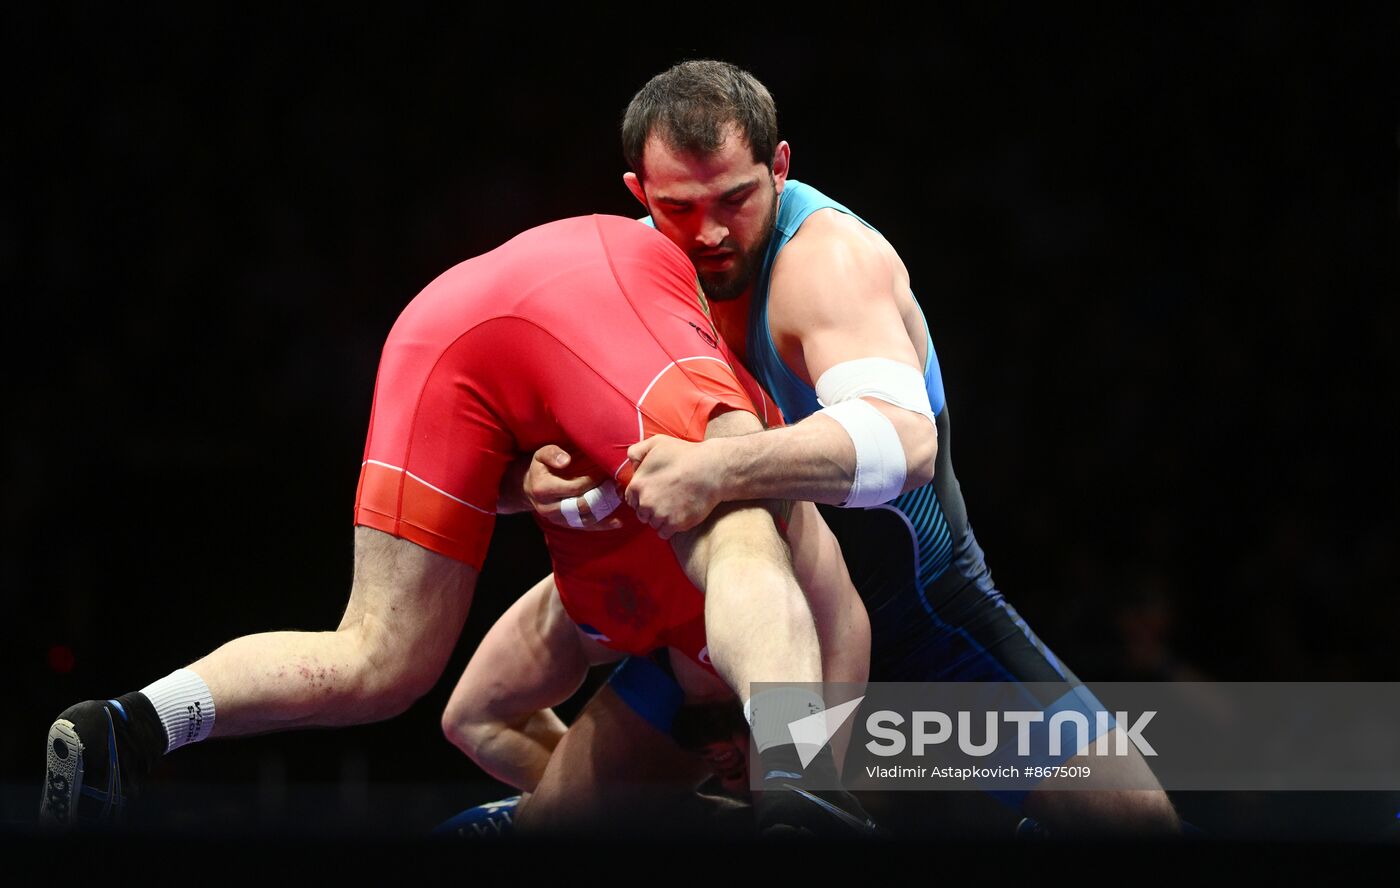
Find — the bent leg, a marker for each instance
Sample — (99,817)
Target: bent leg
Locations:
(758,622)
(533,658)
(843,626)
(760,629)
(614,772)
(407,606)
(1066,809)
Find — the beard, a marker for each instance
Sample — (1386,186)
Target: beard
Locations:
(730,285)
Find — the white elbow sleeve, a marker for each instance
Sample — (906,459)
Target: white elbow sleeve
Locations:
(880,458)
(879,454)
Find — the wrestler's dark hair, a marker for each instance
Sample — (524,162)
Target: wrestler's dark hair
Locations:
(690,105)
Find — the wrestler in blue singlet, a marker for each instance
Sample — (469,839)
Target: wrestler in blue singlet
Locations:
(935,614)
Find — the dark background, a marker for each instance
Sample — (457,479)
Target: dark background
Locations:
(1156,248)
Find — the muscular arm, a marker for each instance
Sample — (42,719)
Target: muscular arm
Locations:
(499,713)
(833,300)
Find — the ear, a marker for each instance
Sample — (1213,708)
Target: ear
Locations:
(781,158)
(634,185)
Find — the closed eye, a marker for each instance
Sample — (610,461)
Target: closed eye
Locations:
(737,196)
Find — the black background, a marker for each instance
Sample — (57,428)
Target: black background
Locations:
(1156,248)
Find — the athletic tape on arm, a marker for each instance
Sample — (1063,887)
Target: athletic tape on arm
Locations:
(888,380)
(880,459)
(601,502)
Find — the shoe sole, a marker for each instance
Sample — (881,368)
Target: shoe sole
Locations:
(860,827)
(63,781)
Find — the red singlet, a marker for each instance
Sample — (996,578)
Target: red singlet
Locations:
(588,333)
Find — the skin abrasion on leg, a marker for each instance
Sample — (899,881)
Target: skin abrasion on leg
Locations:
(319,677)
(406,608)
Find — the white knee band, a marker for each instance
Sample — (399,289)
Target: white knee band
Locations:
(880,460)
(601,501)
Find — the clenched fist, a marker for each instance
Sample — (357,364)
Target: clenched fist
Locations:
(549,484)
(676,484)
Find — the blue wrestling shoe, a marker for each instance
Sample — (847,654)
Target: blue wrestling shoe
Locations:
(98,754)
(489,821)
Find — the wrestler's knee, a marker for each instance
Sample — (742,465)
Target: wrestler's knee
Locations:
(470,729)
(388,673)
(407,606)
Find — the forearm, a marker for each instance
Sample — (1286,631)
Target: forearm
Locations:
(815,460)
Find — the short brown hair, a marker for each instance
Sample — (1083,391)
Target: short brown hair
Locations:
(690,105)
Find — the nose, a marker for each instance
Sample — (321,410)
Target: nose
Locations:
(711,233)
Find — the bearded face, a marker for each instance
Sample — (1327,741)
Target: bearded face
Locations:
(727,272)
(719,207)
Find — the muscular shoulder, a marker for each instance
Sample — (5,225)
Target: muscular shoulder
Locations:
(832,264)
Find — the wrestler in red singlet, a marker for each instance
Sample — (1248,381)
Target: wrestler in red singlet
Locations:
(590,333)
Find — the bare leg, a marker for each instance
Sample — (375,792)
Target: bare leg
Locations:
(406,609)
(533,658)
(760,628)
(843,626)
(1067,811)
(613,772)
(649,766)
(758,623)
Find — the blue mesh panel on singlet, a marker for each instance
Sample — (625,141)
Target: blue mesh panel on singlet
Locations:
(933,540)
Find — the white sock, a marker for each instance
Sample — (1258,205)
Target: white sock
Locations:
(185,706)
(770,712)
